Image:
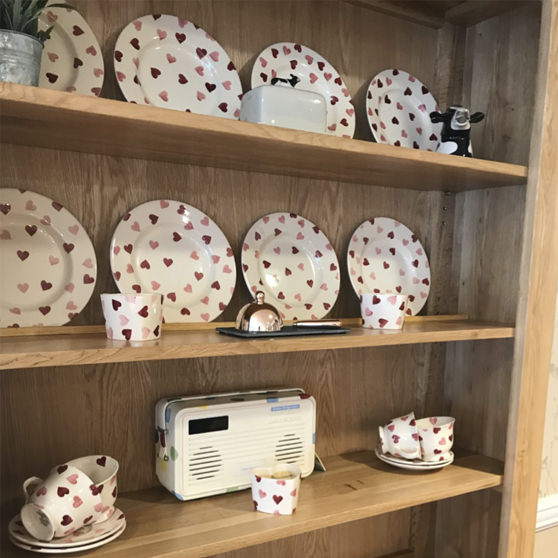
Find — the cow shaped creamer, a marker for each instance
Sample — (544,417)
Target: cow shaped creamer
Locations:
(456,132)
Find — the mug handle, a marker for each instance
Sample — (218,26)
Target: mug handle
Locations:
(30,485)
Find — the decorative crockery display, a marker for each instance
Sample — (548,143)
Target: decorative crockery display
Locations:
(135,317)
(72,510)
(52,263)
(275,490)
(72,59)
(169,62)
(281,60)
(384,256)
(382,310)
(398,108)
(417,444)
(292,261)
(171,248)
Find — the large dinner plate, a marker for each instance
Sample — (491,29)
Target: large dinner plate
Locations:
(72,59)
(171,248)
(316,74)
(384,256)
(398,107)
(169,62)
(48,261)
(291,260)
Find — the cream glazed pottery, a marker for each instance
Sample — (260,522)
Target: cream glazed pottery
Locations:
(60,504)
(382,310)
(133,317)
(102,470)
(436,437)
(400,437)
(275,489)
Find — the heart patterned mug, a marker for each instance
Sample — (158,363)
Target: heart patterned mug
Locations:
(60,504)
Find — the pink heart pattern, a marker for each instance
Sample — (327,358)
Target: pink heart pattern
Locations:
(400,104)
(163,236)
(35,293)
(316,74)
(77,69)
(185,89)
(383,257)
(293,262)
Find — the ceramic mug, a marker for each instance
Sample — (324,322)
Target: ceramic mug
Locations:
(435,437)
(102,470)
(400,437)
(60,504)
(275,489)
(383,310)
(133,317)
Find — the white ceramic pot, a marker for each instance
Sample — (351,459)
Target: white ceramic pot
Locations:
(278,496)
(436,437)
(133,317)
(382,310)
(400,437)
(60,504)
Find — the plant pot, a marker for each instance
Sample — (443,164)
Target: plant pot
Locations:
(20,57)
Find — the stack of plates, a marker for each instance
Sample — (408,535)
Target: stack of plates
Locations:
(86,538)
(413,464)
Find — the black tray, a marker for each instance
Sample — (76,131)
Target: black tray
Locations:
(287,331)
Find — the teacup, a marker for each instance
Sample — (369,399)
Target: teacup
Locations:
(400,437)
(60,504)
(383,310)
(435,437)
(275,489)
(133,317)
(102,470)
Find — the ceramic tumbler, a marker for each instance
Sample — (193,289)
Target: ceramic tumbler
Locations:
(382,310)
(133,317)
(436,437)
(275,489)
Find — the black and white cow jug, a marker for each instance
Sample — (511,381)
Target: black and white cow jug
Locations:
(456,131)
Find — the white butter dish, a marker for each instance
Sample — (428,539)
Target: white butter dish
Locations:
(284,106)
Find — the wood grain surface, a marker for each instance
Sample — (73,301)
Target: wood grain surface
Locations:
(473,241)
(34,116)
(95,348)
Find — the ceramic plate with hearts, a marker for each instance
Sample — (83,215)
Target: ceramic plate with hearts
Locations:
(171,248)
(384,256)
(293,262)
(413,464)
(398,106)
(72,59)
(86,535)
(51,261)
(315,74)
(169,62)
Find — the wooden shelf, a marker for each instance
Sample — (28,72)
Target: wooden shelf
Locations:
(89,345)
(354,487)
(59,120)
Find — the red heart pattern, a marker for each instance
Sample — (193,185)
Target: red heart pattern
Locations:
(299,275)
(410,100)
(384,256)
(185,90)
(77,69)
(316,74)
(199,296)
(28,217)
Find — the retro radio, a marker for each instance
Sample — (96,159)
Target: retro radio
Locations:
(207,445)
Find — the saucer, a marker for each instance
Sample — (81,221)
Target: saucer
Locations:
(415,464)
